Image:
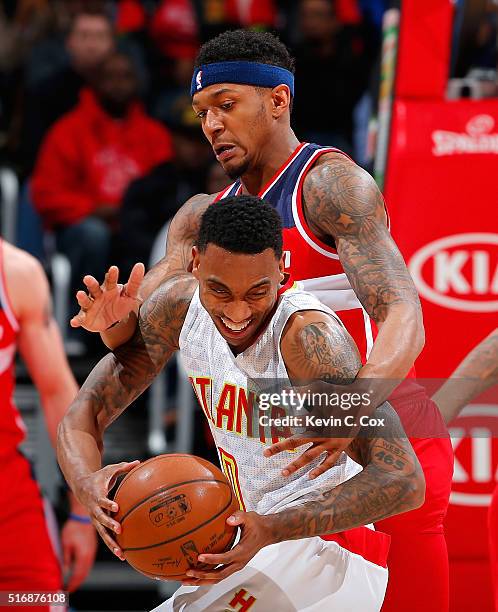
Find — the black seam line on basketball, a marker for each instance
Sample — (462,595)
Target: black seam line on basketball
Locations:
(151,460)
(164,489)
(210,520)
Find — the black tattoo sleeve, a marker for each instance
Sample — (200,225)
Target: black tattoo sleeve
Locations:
(344,206)
(391,482)
(316,346)
(122,376)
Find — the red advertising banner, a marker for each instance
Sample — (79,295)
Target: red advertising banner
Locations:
(442,193)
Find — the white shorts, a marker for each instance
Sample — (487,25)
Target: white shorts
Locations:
(309,575)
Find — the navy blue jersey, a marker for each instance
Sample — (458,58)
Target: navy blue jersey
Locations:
(309,260)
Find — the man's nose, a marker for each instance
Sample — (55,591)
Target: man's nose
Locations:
(212,125)
(237,311)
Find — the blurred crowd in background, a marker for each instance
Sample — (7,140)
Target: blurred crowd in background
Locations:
(95,114)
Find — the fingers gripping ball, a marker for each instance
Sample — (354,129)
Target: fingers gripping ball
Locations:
(171,509)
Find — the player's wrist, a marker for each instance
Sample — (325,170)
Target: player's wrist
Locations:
(84,519)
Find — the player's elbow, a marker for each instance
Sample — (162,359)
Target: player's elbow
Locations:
(416,490)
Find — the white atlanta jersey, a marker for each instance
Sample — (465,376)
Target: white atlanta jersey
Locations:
(226,387)
(344,573)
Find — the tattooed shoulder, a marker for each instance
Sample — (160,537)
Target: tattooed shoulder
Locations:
(314,345)
(339,195)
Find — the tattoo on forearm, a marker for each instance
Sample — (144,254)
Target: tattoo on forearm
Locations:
(122,376)
(385,487)
(482,361)
(344,205)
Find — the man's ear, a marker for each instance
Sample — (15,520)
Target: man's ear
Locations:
(281,99)
(195,262)
(281,267)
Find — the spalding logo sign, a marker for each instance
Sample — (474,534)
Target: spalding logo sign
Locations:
(459,272)
(476,455)
(478,138)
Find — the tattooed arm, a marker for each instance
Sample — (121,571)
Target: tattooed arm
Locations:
(477,372)
(345,209)
(106,304)
(392,480)
(315,345)
(117,380)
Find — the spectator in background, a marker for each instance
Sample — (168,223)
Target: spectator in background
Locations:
(151,201)
(174,32)
(88,160)
(53,85)
(332,68)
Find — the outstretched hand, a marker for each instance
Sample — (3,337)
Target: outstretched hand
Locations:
(103,305)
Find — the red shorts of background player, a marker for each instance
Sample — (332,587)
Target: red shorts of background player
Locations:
(493,542)
(418,557)
(27,558)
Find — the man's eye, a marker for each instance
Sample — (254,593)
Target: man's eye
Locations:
(218,290)
(201,114)
(256,296)
(227,105)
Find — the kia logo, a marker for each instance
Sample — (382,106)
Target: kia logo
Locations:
(476,455)
(470,271)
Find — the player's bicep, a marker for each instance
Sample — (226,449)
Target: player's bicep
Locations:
(182,234)
(316,346)
(39,338)
(343,201)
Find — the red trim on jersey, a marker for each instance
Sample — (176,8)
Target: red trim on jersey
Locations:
(299,200)
(223,192)
(287,285)
(372,545)
(283,167)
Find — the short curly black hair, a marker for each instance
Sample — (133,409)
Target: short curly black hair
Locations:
(245,45)
(241,224)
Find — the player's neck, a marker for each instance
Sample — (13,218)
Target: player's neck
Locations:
(276,153)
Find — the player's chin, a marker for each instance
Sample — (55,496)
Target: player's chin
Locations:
(235,168)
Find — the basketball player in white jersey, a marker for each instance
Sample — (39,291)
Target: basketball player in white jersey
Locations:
(232,328)
(28,558)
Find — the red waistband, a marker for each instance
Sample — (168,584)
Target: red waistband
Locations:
(372,545)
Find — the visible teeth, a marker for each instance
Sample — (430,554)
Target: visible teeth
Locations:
(235,327)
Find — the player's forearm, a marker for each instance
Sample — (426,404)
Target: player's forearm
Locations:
(55,405)
(120,332)
(79,446)
(477,372)
(372,495)
(399,342)
(108,390)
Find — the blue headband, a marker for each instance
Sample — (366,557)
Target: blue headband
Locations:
(243,73)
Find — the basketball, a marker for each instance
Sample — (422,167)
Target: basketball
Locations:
(171,509)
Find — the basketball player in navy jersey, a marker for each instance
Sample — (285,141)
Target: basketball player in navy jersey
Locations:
(233,320)
(337,242)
